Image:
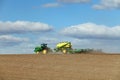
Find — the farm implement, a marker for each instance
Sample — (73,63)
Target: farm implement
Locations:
(63,47)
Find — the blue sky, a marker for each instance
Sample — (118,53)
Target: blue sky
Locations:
(25,24)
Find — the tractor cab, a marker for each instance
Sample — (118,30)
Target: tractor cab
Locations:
(44,46)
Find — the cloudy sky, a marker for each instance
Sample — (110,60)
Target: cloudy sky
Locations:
(25,24)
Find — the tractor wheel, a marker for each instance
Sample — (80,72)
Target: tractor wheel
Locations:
(37,52)
(44,51)
(64,51)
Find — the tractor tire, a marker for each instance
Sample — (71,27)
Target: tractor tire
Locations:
(37,52)
(44,51)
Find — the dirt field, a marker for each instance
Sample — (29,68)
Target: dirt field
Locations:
(60,67)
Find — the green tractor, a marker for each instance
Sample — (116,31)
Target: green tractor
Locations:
(43,48)
(64,47)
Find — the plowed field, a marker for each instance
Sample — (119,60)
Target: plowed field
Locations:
(60,67)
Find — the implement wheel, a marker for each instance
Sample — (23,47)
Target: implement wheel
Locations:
(64,51)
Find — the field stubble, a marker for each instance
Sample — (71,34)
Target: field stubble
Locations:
(60,67)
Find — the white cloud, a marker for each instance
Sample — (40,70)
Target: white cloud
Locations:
(28,47)
(110,46)
(24,46)
(74,1)
(59,3)
(51,5)
(9,27)
(48,40)
(92,31)
(107,4)
(8,40)
(88,35)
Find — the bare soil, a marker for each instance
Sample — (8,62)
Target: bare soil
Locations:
(60,67)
